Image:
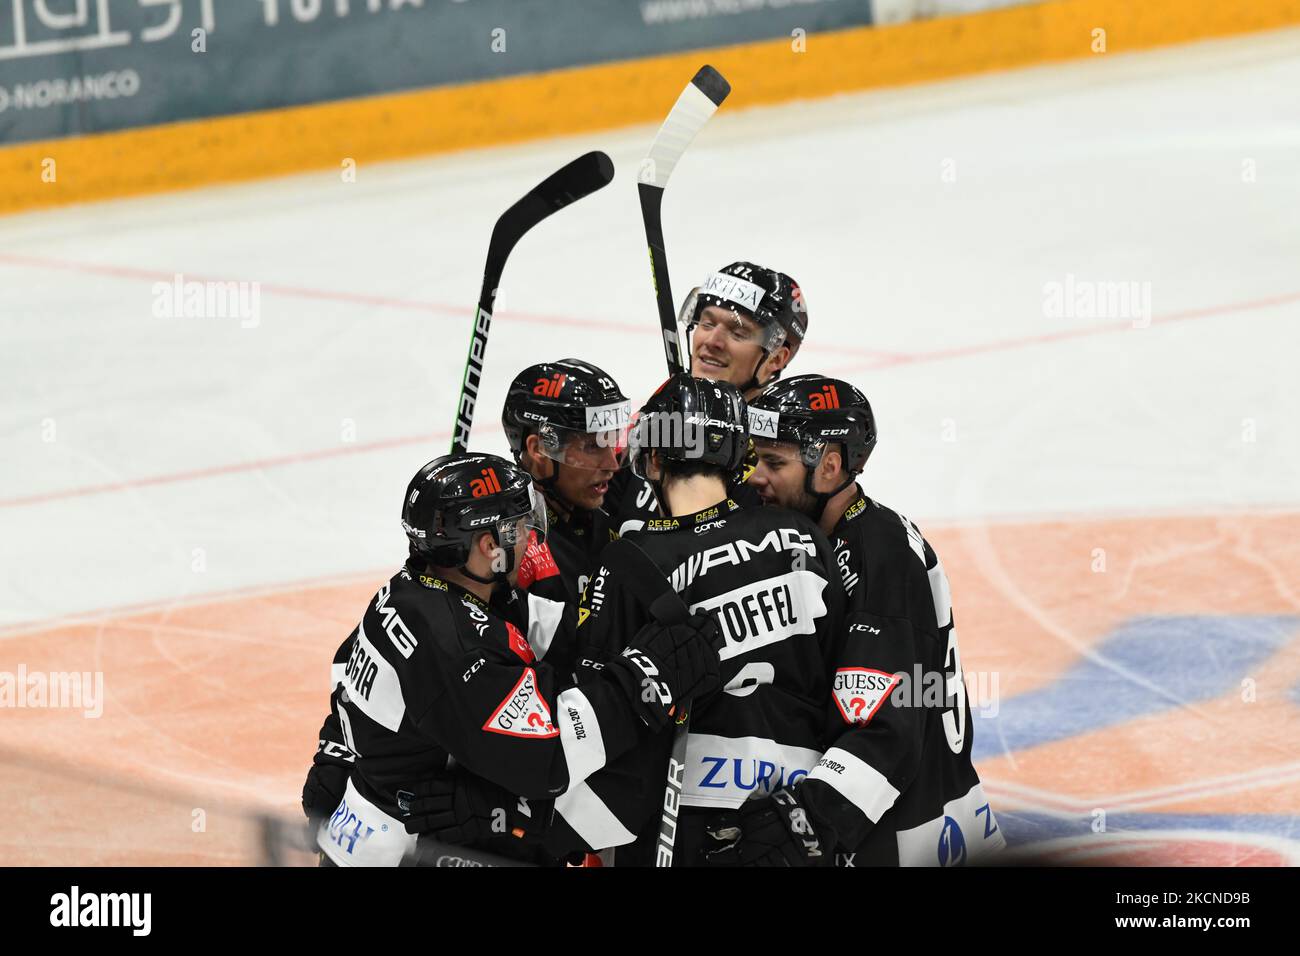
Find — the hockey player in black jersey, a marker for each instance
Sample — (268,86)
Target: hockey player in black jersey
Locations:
(566,423)
(744,325)
(769,580)
(433,677)
(896,784)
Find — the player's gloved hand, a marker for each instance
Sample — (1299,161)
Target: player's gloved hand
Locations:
(464,809)
(771,831)
(668,663)
(324,789)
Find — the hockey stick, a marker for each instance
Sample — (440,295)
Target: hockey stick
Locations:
(580,178)
(698,102)
(433,853)
(667,608)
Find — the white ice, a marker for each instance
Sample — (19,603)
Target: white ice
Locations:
(919,221)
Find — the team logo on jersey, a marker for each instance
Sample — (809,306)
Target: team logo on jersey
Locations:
(859,692)
(489,484)
(523,713)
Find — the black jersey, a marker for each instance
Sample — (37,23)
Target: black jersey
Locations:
(431,678)
(896,781)
(574,540)
(629,502)
(768,577)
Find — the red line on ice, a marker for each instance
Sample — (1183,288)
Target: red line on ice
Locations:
(388,302)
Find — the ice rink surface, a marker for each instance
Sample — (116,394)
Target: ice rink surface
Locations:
(199,508)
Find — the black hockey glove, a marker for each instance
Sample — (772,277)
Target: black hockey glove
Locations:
(464,809)
(667,663)
(324,789)
(772,831)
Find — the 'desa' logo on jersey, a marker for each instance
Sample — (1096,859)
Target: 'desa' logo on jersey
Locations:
(523,713)
(859,692)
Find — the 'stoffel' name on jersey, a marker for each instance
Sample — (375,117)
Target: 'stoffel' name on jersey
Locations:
(767,611)
(738,552)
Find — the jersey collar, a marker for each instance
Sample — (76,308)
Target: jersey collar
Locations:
(856,509)
(694,520)
(435,583)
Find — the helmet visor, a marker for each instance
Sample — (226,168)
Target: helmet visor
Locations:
(527,526)
(711,314)
(601,446)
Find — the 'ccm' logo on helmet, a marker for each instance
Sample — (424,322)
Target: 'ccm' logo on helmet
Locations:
(827,398)
(487,485)
(550,387)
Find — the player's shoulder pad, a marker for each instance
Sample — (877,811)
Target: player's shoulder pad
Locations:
(882,525)
(451,624)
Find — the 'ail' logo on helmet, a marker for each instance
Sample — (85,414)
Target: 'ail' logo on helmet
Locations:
(487,485)
(550,387)
(826,399)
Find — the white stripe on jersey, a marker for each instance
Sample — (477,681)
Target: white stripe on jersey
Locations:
(587,814)
(857,781)
(727,771)
(584,748)
(373,686)
(767,611)
(965,832)
(941,593)
(543,621)
(360,834)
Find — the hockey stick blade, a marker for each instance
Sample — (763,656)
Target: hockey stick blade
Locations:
(580,178)
(694,107)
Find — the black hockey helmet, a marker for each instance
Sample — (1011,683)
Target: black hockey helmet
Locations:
(772,299)
(812,411)
(691,419)
(453,499)
(577,411)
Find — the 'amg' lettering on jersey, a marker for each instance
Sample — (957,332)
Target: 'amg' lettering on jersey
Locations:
(738,552)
